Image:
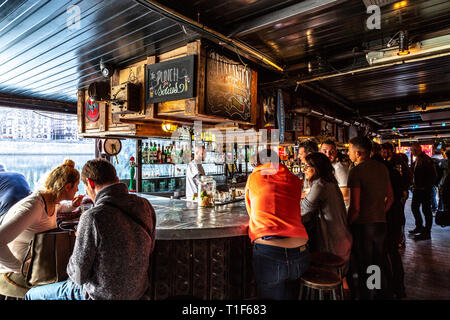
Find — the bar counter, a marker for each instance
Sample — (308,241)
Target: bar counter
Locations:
(200,253)
(183,220)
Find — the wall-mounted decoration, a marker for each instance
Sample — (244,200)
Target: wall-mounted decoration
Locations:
(269,111)
(280,115)
(307,126)
(352,132)
(92,110)
(298,125)
(170,80)
(228,88)
(340,134)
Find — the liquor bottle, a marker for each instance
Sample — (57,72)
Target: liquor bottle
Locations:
(149,153)
(145,153)
(154,152)
(169,154)
(163,155)
(158,154)
(173,153)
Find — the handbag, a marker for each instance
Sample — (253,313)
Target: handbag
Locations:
(47,257)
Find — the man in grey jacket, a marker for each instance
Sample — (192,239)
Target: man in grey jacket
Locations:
(114,241)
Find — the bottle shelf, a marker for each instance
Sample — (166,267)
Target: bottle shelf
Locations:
(217,164)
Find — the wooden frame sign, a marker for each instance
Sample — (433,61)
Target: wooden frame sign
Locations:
(170,80)
(228,88)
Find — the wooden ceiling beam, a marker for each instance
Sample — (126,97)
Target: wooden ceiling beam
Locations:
(15,101)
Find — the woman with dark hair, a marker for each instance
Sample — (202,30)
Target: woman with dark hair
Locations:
(324,206)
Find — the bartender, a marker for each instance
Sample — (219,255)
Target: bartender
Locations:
(194,172)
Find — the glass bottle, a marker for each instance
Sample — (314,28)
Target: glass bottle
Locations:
(145,153)
(154,152)
(158,154)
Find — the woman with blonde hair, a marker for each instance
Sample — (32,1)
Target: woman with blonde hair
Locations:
(33,214)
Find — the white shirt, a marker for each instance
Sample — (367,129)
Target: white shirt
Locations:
(194,171)
(26,218)
(341,174)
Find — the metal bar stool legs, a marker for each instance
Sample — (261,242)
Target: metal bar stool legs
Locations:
(329,261)
(318,282)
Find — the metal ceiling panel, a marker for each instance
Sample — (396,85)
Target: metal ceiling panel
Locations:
(394,82)
(42,57)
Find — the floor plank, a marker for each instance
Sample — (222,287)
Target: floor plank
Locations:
(426,262)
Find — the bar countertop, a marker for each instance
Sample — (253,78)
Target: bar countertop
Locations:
(184,220)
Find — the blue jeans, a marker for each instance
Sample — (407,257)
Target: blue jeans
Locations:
(277,271)
(64,290)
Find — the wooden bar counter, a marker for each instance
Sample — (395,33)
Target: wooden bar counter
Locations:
(203,253)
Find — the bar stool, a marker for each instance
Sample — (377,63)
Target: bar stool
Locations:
(331,261)
(319,280)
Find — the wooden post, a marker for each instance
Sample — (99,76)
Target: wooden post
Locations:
(138,165)
(81,118)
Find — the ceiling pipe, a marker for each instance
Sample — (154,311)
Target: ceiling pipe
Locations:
(173,15)
(333,98)
(371,68)
(304,7)
(336,120)
(440,136)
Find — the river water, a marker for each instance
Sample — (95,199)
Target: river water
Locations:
(35,159)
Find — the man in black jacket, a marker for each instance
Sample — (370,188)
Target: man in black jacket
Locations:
(399,163)
(424,178)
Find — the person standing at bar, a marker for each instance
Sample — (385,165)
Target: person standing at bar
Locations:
(305,148)
(326,203)
(399,163)
(444,183)
(371,197)
(424,178)
(394,219)
(194,172)
(280,254)
(328,148)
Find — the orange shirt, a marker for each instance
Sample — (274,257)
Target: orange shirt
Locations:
(273,203)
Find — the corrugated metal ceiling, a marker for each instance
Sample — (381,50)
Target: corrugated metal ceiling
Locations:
(43,58)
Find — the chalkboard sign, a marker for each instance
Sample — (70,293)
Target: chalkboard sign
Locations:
(170,80)
(228,88)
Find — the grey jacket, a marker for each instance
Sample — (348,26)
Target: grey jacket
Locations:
(111,254)
(324,204)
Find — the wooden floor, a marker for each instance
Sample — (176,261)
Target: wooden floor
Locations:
(426,262)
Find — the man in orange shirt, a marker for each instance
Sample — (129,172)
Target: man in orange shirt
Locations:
(280,254)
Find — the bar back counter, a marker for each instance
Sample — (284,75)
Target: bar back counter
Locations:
(202,253)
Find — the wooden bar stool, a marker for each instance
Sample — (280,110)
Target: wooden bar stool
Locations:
(331,261)
(319,281)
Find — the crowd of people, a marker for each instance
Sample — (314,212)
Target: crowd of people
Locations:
(352,206)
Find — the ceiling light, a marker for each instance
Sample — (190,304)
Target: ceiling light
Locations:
(169,127)
(400,4)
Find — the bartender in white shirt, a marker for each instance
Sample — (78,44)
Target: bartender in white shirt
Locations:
(194,172)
